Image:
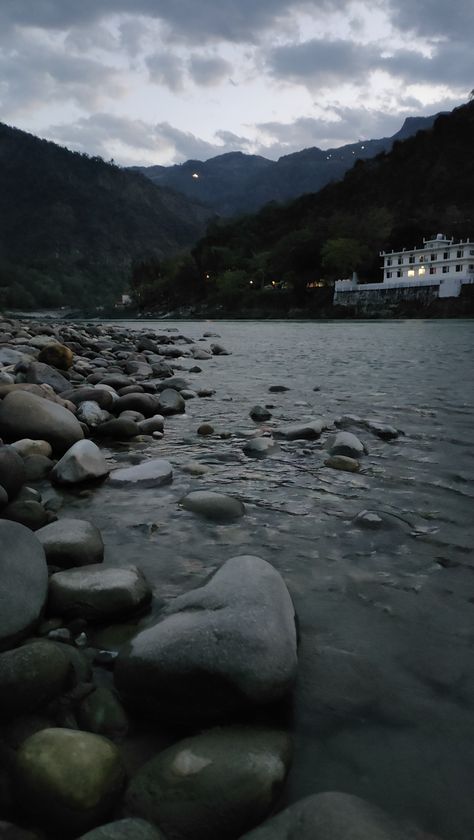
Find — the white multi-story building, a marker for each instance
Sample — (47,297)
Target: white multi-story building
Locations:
(440,262)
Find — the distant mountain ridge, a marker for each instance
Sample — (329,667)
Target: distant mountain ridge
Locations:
(235,183)
(72,226)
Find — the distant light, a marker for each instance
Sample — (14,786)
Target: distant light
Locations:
(251,283)
(207,276)
(195,175)
(362,147)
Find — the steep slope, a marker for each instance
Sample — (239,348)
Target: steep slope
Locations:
(72,225)
(236,183)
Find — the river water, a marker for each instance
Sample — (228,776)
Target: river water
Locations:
(384,705)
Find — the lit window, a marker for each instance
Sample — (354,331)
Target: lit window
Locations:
(411,272)
(421,270)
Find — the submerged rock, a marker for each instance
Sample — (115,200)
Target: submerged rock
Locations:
(152,473)
(228,779)
(259,413)
(214,506)
(342,462)
(227,645)
(381,430)
(68,780)
(301,431)
(259,447)
(345,443)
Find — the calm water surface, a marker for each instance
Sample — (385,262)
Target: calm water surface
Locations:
(384,705)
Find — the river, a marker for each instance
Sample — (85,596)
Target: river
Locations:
(384,705)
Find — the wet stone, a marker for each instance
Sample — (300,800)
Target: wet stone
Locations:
(217,507)
(152,473)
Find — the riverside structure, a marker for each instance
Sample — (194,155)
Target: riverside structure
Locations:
(438,269)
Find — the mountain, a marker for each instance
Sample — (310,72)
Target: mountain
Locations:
(236,183)
(279,258)
(72,225)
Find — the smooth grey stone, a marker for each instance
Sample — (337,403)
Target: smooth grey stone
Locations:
(102,712)
(12,470)
(3,497)
(258,413)
(170,402)
(228,778)
(37,467)
(332,816)
(27,447)
(345,443)
(146,404)
(200,354)
(137,368)
(369,519)
(152,473)
(301,431)
(27,512)
(115,380)
(41,374)
(23,414)
(129,414)
(120,428)
(102,396)
(82,462)
(90,413)
(11,356)
(98,593)
(132,828)
(259,447)
(68,779)
(71,542)
(24,576)
(32,675)
(218,507)
(177,383)
(228,645)
(151,424)
(219,350)
(381,430)
(278,389)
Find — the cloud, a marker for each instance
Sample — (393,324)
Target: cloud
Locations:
(208,70)
(231,20)
(450,64)
(433,18)
(321,63)
(166,69)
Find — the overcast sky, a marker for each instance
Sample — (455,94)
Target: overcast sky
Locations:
(161,81)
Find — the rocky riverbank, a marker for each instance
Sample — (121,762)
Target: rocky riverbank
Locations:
(86,660)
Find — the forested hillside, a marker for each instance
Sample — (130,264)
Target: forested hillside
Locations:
(279,257)
(72,226)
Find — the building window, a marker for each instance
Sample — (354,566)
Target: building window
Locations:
(459,254)
(422,259)
(446,255)
(432,257)
(445,269)
(411,272)
(471,267)
(421,271)
(432,269)
(459,267)
(399,273)
(389,261)
(411,259)
(471,252)
(388,274)
(400,261)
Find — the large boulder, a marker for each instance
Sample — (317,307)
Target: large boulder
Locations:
(25,415)
(12,470)
(71,542)
(332,816)
(213,785)
(24,582)
(132,828)
(228,645)
(97,593)
(70,781)
(31,675)
(82,462)
(170,402)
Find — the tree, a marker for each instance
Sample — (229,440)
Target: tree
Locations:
(341,256)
